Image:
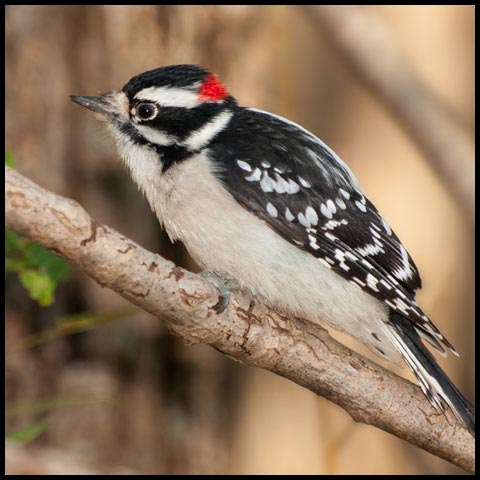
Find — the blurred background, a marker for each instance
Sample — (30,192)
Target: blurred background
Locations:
(116,393)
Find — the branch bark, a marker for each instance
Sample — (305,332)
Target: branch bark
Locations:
(378,61)
(247,331)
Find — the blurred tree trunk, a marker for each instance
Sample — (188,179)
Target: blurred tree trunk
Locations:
(172,405)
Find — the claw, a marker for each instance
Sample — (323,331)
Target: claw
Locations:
(224,284)
(223,301)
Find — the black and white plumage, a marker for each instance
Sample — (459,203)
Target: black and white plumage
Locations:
(261,199)
(299,186)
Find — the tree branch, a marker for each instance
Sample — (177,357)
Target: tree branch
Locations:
(246,331)
(372,52)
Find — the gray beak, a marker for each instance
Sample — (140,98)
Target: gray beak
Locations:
(97,104)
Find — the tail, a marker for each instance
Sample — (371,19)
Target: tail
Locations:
(435,384)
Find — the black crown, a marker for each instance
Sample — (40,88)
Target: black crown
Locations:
(173,75)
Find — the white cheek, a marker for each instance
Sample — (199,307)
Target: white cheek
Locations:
(143,162)
(155,136)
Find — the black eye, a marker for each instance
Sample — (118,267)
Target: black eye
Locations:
(146,111)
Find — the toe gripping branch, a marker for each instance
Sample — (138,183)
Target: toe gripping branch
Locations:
(224,284)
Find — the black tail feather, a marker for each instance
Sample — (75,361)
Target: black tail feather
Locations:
(438,388)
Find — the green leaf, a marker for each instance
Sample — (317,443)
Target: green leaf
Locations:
(28,433)
(39,271)
(48,263)
(16,265)
(12,242)
(9,159)
(40,286)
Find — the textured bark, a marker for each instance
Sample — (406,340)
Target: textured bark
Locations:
(246,331)
(370,49)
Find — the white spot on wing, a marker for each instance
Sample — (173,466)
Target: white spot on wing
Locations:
(340,203)
(401,294)
(244,165)
(405,272)
(313,242)
(369,250)
(302,219)
(331,224)
(385,284)
(387,227)
(375,233)
(255,176)
(360,206)
(401,305)
(266,183)
(311,215)
(372,282)
(281,185)
(293,187)
(344,194)
(272,211)
(330,236)
(331,206)
(288,215)
(340,256)
(325,211)
(378,242)
(304,183)
(351,256)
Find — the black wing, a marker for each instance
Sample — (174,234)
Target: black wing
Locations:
(303,190)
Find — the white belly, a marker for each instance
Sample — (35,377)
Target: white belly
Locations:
(222,236)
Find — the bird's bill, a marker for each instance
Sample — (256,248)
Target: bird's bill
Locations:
(102,105)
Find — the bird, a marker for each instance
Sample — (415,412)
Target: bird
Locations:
(257,198)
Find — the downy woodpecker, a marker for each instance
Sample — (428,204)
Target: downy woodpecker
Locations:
(258,198)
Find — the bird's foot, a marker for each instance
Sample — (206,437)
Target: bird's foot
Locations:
(225,284)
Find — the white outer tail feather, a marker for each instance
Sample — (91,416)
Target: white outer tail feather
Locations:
(429,385)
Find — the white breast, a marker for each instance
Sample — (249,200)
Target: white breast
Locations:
(222,236)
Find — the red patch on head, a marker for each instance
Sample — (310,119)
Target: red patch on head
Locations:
(212,89)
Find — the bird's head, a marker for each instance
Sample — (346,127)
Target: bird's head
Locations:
(175,110)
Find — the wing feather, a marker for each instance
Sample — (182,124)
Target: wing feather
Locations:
(306,193)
